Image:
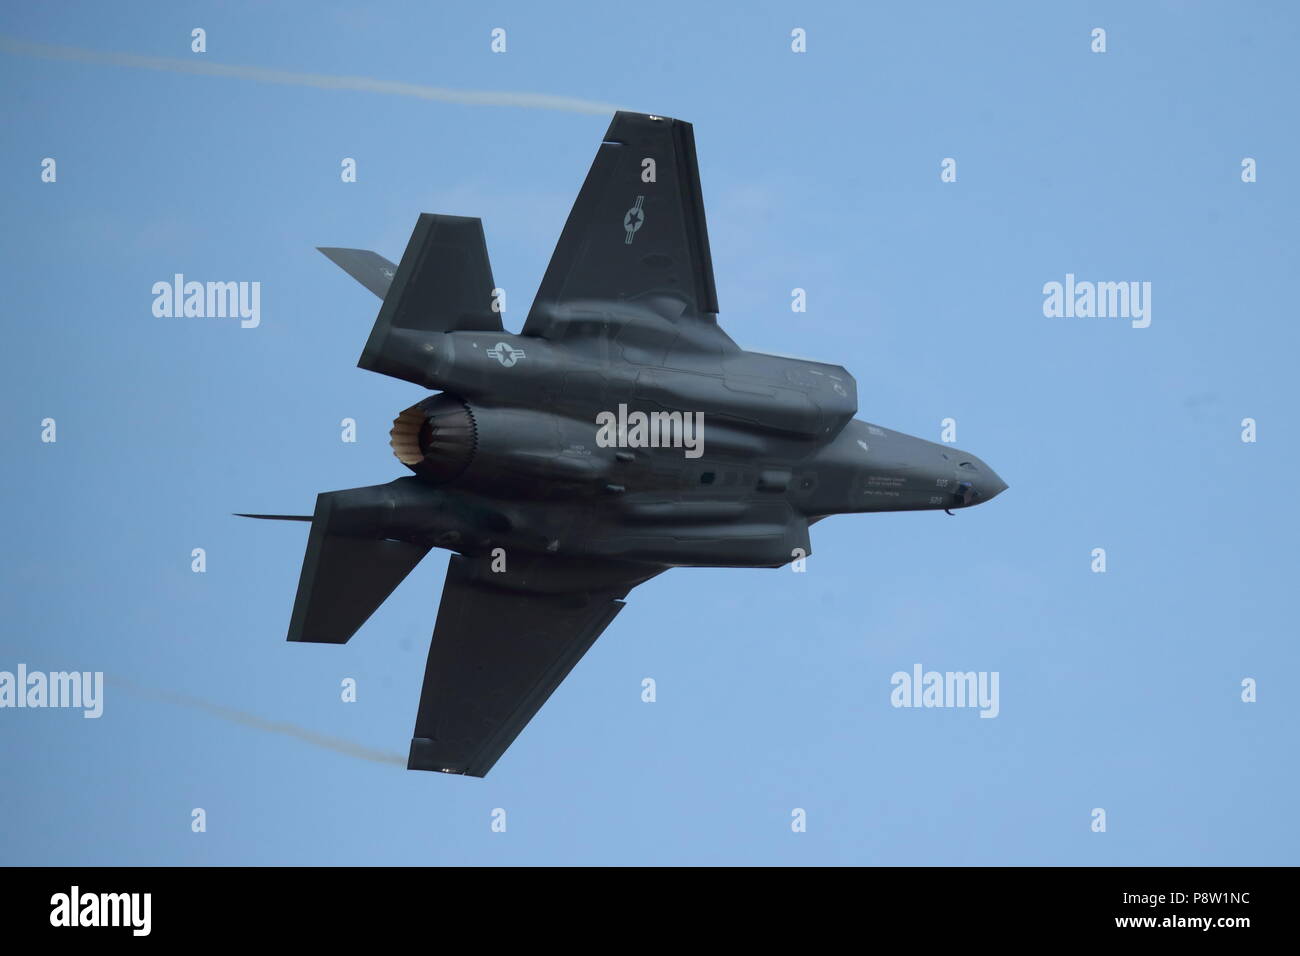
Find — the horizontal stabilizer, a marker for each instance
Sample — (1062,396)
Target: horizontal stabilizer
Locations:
(349,569)
(443,284)
(275,517)
(369,268)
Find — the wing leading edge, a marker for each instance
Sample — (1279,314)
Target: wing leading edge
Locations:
(502,644)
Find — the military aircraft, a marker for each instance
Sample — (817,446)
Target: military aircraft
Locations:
(619,434)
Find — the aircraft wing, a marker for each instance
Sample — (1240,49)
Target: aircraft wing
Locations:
(637,227)
(502,644)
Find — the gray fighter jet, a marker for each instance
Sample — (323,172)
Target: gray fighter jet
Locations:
(619,434)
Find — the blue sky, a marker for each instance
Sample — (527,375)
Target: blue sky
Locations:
(820,171)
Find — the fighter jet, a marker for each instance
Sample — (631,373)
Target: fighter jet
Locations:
(620,433)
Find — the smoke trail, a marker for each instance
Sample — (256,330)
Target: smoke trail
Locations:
(345,747)
(323,81)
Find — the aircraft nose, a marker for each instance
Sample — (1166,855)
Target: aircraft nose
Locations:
(989,483)
(995,486)
(977,482)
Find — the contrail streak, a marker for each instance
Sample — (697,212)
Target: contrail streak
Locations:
(321,81)
(345,747)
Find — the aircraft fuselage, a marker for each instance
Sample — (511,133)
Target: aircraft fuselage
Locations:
(703,455)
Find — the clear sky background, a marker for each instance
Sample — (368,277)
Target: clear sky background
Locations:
(1118,690)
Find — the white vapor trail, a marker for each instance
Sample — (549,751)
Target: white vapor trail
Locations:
(321,81)
(346,747)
